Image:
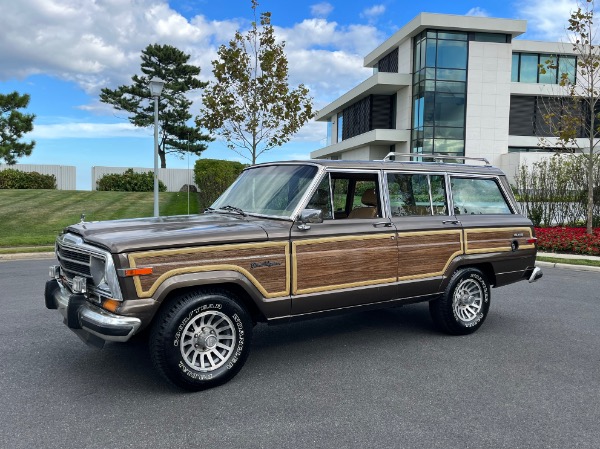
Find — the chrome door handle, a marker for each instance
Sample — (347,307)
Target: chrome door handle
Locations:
(454,222)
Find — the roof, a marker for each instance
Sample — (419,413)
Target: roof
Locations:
(393,165)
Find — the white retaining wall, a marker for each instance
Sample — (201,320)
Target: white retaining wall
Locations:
(64,174)
(173,178)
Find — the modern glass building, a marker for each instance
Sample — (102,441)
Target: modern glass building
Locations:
(452,85)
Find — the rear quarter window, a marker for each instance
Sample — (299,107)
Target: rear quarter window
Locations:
(478,196)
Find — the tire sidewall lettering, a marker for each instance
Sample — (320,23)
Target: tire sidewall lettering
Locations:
(486,298)
(199,376)
(190,315)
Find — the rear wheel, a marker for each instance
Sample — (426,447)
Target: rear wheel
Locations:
(463,307)
(201,340)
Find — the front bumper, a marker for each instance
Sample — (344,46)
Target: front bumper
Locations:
(92,324)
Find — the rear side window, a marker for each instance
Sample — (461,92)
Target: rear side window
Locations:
(417,194)
(476,196)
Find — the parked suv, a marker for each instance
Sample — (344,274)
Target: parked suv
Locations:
(293,240)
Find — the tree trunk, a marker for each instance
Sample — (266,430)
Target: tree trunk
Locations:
(163,159)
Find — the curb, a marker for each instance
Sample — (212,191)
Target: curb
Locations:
(567,266)
(27,256)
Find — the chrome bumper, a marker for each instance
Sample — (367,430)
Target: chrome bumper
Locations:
(91,323)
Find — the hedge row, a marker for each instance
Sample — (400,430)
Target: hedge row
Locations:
(129,181)
(212,177)
(16,179)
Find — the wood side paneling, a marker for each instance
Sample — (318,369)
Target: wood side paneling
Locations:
(482,240)
(427,254)
(265,265)
(329,264)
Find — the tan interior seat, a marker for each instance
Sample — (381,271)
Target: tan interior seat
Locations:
(369,210)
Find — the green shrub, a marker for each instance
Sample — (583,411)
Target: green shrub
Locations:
(212,177)
(16,179)
(129,182)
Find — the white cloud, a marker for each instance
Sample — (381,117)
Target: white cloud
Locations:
(98,44)
(546,19)
(477,12)
(321,9)
(88,131)
(373,12)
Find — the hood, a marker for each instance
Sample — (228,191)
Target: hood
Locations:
(169,232)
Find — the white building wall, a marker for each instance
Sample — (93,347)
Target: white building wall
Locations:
(404,57)
(403,108)
(488,100)
(173,178)
(510,162)
(64,174)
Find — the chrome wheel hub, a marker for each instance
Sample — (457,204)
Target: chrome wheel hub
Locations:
(468,300)
(207,341)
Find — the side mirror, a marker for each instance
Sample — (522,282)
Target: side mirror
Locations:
(309,216)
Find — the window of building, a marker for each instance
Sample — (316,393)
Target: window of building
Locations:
(526,68)
(477,196)
(367,114)
(329,133)
(439,92)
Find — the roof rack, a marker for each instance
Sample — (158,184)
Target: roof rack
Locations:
(435,157)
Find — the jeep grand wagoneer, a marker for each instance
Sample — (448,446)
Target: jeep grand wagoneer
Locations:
(294,240)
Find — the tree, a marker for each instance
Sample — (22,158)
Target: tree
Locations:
(13,124)
(251,104)
(171,65)
(579,113)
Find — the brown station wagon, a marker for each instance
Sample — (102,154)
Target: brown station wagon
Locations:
(294,240)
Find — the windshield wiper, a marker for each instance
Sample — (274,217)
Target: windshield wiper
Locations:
(209,209)
(237,210)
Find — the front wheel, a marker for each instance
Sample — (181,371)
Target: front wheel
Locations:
(463,307)
(201,340)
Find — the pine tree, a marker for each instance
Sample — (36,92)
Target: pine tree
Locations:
(171,65)
(13,124)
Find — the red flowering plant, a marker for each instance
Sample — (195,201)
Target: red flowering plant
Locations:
(568,240)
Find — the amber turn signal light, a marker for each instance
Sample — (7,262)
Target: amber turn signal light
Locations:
(111,305)
(137,271)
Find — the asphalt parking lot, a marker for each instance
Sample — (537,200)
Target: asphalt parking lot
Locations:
(529,378)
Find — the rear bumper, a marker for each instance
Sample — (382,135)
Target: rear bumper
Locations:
(91,323)
(533,274)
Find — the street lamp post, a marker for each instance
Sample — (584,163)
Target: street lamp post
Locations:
(156,87)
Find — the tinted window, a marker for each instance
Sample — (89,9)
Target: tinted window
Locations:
(416,194)
(475,196)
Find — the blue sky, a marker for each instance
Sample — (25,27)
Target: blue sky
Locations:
(62,52)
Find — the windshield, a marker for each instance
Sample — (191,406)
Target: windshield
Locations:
(269,190)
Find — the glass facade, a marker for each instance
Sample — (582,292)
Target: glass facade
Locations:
(526,68)
(439,92)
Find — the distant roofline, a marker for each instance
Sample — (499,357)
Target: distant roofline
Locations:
(451,22)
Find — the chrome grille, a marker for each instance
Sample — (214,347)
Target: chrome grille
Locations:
(78,258)
(74,262)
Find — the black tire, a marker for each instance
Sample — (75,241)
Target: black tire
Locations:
(463,307)
(201,340)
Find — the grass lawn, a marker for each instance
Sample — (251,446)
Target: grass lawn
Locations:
(35,217)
